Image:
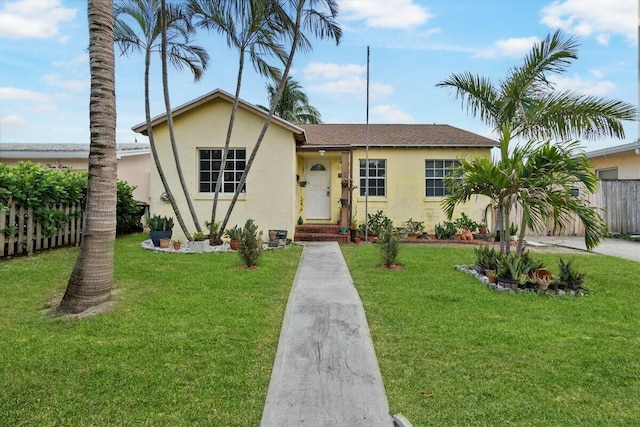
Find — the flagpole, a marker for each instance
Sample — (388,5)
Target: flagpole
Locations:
(366,185)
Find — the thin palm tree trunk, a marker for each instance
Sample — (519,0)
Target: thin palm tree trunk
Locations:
(523,230)
(167,103)
(272,108)
(92,276)
(225,151)
(154,151)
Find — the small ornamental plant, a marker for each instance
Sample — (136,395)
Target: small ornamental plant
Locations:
(389,246)
(250,246)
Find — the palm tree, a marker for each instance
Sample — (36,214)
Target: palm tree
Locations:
(251,27)
(146,14)
(318,17)
(538,177)
(526,104)
(293,105)
(92,277)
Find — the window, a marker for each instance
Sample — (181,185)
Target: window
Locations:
(377,177)
(608,174)
(209,169)
(434,172)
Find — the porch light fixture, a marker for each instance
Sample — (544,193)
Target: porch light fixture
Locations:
(321,152)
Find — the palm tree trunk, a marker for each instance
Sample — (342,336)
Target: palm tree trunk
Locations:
(154,151)
(167,103)
(92,276)
(523,229)
(272,108)
(225,151)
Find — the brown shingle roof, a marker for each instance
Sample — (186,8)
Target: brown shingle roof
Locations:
(354,135)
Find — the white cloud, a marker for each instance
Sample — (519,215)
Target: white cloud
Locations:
(72,63)
(400,14)
(580,85)
(22,95)
(591,17)
(38,19)
(12,122)
(69,85)
(347,79)
(513,47)
(330,71)
(390,114)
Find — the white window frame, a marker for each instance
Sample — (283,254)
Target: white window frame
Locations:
(435,175)
(232,172)
(377,176)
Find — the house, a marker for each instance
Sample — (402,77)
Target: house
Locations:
(618,162)
(133,160)
(313,172)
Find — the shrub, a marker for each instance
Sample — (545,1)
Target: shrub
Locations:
(389,246)
(250,245)
(487,257)
(445,231)
(414,226)
(465,222)
(127,211)
(377,222)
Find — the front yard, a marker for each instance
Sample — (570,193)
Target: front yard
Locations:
(193,338)
(453,352)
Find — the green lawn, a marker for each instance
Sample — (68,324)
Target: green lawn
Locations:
(453,352)
(191,341)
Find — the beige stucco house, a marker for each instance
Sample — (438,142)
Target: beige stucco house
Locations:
(316,172)
(134,160)
(618,162)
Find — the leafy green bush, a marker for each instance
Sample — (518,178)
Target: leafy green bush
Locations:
(250,246)
(414,226)
(445,231)
(465,222)
(389,246)
(377,223)
(127,211)
(41,188)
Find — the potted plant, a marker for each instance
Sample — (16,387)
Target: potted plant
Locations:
(402,232)
(234,234)
(160,228)
(177,244)
(414,228)
(486,259)
(512,271)
(200,241)
(569,278)
(513,232)
(164,242)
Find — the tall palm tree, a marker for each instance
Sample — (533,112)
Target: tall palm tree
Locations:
(144,36)
(293,105)
(526,105)
(318,17)
(251,27)
(92,276)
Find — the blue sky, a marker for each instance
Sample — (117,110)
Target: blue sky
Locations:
(44,76)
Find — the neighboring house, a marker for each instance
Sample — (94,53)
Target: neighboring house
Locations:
(618,162)
(134,160)
(317,172)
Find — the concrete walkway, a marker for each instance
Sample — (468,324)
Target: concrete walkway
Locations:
(614,247)
(326,372)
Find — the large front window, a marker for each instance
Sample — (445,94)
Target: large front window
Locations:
(434,172)
(377,177)
(210,160)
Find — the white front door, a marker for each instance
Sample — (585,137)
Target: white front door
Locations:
(318,201)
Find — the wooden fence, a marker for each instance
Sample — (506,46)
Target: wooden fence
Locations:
(619,204)
(21,234)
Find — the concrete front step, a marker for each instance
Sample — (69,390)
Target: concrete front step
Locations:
(320,233)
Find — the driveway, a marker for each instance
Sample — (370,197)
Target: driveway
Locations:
(615,247)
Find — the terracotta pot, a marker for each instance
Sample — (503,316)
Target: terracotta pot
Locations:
(234,245)
(164,243)
(176,246)
(356,240)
